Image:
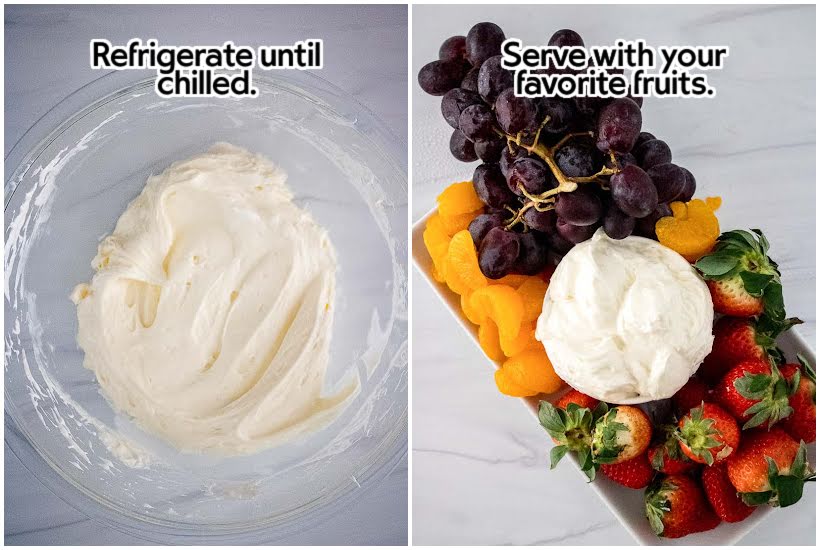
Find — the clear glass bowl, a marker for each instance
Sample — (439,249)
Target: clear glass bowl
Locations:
(68,180)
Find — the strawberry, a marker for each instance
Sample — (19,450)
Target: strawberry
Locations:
(743,280)
(708,434)
(692,394)
(581,399)
(731,298)
(635,473)
(802,424)
(755,392)
(740,339)
(666,456)
(722,495)
(621,434)
(571,430)
(676,506)
(769,467)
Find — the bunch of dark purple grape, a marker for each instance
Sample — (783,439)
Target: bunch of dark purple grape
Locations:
(553,169)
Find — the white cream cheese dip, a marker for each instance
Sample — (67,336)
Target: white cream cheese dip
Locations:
(625,320)
(209,317)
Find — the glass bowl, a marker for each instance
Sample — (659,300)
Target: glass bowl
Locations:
(68,180)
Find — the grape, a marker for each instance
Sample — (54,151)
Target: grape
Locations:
(454,47)
(559,244)
(637,99)
(532,258)
(617,225)
(470,81)
(689,189)
(493,79)
(669,180)
(588,106)
(621,160)
(651,153)
(498,252)
(633,191)
(659,411)
(461,147)
(566,37)
(483,41)
(439,77)
(455,101)
(476,122)
(508,158)
(642,137)
(489,149)
(531,174)
(540,221)
(515,114)
(645,227)
(580,207)
(574,233)
(619,124)
(560,112)
(491,187)
(482,224)
(578,159)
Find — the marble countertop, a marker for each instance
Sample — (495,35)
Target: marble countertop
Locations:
(480,464)
(47,58)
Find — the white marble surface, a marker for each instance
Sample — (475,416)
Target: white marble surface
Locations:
(480,464)
(46,56)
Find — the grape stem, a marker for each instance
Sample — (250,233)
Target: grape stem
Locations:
(545,201)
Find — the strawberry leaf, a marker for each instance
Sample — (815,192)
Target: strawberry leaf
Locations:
(773,301)
(552,419)
(753,386)
(755,283)
(807,369)
(718,264)
(557,454)
(789,490)
(756,499)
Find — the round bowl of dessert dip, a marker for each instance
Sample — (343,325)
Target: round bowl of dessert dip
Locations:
(206,306)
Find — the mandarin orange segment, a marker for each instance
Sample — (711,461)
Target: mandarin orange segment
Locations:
(532,293)
(488,340)
(692,229)
(513,279)
(459,222)
(473,315)
(503,305)
(462,271)
(437,243)
(458,198)
(525,339)
(532,369)
(505,385)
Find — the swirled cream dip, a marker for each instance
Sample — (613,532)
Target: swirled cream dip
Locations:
(625,320)
(209,317)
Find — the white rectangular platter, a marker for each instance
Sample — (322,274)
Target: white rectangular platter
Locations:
(626,504)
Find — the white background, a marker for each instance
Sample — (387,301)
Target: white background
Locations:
(46,51)
(480,464)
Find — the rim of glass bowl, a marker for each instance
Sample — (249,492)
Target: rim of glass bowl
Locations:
(391,450)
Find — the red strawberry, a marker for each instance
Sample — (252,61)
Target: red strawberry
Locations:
(666,455)
(741,339)
(692,394)
(581,399)
(769,467)
(635,473)
(621,434)
(743,280)
(708,434)
(722,495)
(731,298)
(802,424)
(676,507)
(754,392)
